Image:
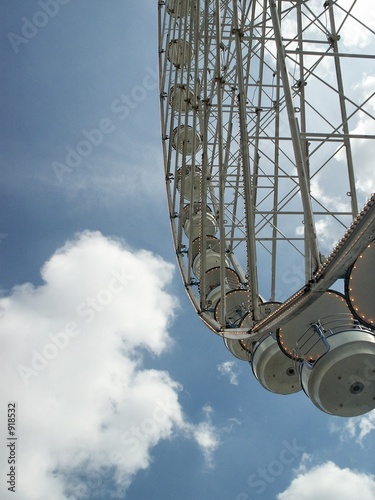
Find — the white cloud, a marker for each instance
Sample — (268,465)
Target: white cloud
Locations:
(229,369)
(363,123)
(328,230)
(328,233)
(362,426)
(89,411)
(329,482)
(356,428)
(353,33)
(207,436)
(362,150)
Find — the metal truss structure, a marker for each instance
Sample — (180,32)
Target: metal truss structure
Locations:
(265,113)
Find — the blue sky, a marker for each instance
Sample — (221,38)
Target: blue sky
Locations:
(121,390)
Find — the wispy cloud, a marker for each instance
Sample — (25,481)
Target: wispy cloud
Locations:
(206,435)
(356,428)
(229,369)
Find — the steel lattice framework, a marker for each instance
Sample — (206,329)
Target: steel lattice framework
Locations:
(261,119)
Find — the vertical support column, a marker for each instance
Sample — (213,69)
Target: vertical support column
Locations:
(297,142)
(248,188)
(259,110)
(333,40)
(304,144)
(206,111)
(222,167)
(276,161)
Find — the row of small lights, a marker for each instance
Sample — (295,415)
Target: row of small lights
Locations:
(348,232)
(291,351)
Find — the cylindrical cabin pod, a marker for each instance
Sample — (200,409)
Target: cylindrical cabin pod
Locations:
(186,140)
(337,356)
(179,53)
(213,257)
(342,381)
(300,338)
(213,286)
(236,307)
(238,348)
(193,222)
(275,371)
(232,280)
(181,98)
(178,8)
(189,185)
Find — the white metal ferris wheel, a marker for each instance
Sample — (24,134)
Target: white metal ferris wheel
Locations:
(267,117)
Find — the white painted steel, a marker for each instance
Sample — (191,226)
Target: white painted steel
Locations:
(238,349)
(299,338)
(193,224)
(259,96)
(342,382)
(263,126)
(275,371)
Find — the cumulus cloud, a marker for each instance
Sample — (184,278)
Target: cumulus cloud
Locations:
(229,369)
(330,482)
(88,410)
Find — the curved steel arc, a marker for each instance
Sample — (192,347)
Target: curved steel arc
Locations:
(262,125)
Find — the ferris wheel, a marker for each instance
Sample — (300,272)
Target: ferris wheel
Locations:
(267,120)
